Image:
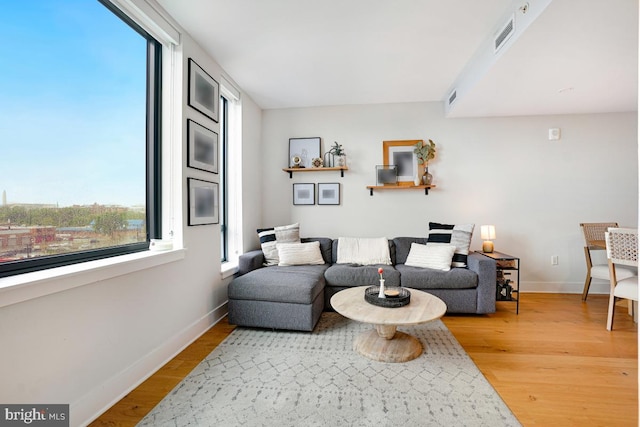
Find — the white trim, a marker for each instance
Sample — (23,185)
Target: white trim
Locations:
(104,396)
(598,287)
(234,176)
(146,15)
(228,269)
(23,287)
(228,89)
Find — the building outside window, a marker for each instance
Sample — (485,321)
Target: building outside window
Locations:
(79,135)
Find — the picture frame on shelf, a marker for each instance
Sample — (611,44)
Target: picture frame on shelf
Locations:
(400,154)
(203,202)
(304,194)
(204,91)
(202,147)
(329,193)
(306,149)
(386,175)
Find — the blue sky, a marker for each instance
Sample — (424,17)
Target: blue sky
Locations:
(72,104)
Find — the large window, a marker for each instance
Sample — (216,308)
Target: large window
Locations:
(224,179)
(79,131)
(230,176)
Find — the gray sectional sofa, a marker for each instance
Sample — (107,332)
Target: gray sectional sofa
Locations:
(294,297)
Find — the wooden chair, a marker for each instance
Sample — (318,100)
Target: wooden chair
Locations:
(622,249)
(594,241)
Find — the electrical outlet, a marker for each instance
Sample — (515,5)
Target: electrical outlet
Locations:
(554,259)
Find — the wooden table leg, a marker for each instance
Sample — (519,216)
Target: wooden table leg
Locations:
(400,347)
(386,331)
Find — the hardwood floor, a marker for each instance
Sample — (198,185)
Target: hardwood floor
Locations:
(553,364)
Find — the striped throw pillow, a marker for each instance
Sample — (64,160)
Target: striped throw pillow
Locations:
(456,235)
(269,237)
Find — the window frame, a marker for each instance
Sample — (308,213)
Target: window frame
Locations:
(224,179)
(153,173)
(233,177)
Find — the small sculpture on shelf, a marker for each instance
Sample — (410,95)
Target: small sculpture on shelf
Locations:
(296,162)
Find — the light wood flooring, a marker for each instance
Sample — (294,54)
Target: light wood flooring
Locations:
(554,364)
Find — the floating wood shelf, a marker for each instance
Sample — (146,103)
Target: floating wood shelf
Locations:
(291,171)
(399,187)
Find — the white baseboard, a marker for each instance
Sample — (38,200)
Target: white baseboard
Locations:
(91,406)
(597,287)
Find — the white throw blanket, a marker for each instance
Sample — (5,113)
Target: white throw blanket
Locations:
(363,250)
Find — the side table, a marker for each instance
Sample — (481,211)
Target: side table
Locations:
(507,277)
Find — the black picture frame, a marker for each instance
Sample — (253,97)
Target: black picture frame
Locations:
(329,193)
(204,202)
(306,149)
(202,147)
(304,194)
(204,91)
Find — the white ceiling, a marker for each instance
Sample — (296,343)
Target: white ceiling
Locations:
(299,53)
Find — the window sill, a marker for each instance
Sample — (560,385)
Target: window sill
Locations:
(228,269)
(23,287)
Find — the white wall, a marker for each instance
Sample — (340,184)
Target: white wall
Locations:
(252,169)
(501,171)
(88,346)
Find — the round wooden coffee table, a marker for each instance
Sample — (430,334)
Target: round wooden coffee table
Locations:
(385,343)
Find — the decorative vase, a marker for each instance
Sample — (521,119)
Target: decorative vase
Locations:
(417,180)
(342,160)
(427,178)
(328,159)
(381,293)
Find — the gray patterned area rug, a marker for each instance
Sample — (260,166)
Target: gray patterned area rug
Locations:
(275,378)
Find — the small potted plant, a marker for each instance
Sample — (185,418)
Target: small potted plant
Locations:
(337,151)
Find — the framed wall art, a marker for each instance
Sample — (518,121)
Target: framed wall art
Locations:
(329,193)
(304,150)
(204,91)
(202,147)
(386,175)
(400,153)
(203,202)
(304,194)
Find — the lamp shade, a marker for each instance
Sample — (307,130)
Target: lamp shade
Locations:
(488,232)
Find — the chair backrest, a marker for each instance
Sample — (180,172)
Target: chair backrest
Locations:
(622,246)
(594,231)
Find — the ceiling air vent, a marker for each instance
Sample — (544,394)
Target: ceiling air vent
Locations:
(453,96)
(505,33)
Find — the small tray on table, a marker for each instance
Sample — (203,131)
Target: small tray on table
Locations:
(403,298)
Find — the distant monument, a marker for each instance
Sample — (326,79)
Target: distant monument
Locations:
(4,197)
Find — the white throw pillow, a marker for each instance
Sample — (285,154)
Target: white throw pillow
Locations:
(299,253)
(281,234)
(436,256)
(363,250)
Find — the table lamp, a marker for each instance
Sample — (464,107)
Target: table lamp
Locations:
(487,233)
